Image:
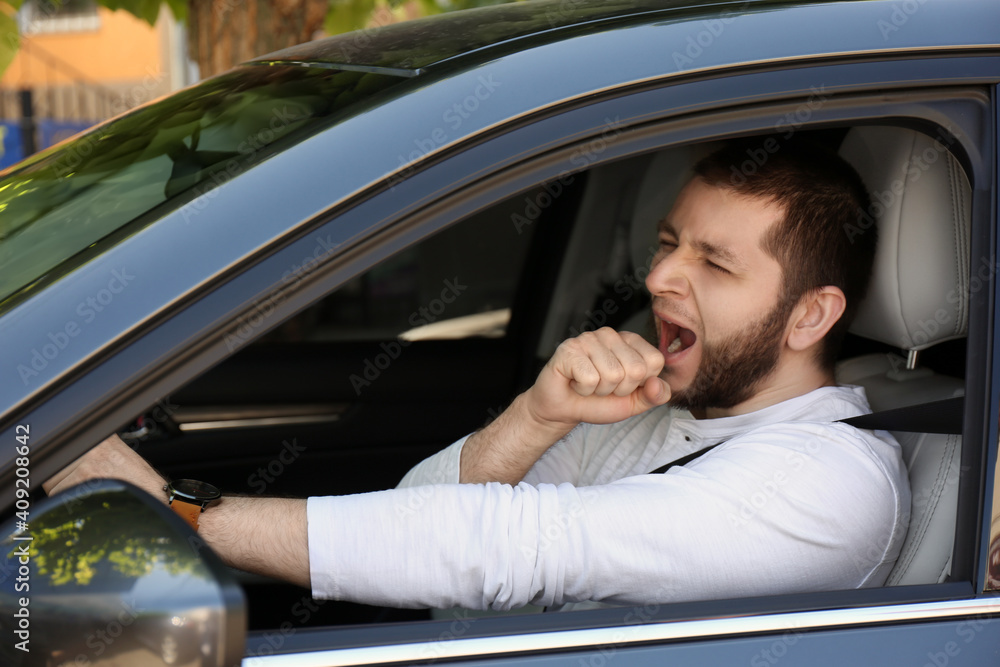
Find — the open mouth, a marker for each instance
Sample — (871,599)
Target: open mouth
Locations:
(675,338)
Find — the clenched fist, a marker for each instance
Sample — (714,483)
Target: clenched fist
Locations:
(599,377)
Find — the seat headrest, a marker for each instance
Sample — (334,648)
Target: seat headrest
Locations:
(921,203)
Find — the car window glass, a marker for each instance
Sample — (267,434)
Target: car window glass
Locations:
(459,283)
(69,199)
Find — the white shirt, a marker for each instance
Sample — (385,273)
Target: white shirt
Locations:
(790,502)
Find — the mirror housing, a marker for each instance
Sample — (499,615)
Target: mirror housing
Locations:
(105,574)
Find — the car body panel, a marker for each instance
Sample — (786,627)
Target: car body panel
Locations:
(414,173)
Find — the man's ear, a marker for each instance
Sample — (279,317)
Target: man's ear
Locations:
(817,311)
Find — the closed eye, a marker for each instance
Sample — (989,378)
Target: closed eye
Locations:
(716,267)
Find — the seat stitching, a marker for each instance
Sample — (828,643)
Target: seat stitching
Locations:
(932,503)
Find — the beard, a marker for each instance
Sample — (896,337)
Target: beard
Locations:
(731,371)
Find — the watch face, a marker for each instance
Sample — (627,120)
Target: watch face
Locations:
(189,489)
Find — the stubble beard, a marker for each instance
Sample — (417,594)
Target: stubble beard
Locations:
(732,371)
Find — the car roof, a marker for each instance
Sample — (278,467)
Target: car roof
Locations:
(476,35)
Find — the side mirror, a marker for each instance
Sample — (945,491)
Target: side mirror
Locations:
(103,574)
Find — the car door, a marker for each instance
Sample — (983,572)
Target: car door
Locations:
(932,622)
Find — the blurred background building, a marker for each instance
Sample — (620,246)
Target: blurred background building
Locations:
(79,64)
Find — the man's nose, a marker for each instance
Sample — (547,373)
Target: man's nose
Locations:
(669,275)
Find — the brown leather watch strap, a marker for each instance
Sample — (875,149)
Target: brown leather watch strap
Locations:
(187,511)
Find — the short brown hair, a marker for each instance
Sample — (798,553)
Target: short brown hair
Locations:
(822,196)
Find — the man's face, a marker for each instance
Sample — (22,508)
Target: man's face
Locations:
(719,318)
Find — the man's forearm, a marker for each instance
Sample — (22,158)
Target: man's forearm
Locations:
(505,450)
(599,377)
(266,536)
(263,535)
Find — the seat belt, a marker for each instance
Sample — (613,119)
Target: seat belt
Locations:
(944,416)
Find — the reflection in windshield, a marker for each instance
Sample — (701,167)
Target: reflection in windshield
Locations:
(70,198)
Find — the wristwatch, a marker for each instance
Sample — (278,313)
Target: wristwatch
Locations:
(189,498)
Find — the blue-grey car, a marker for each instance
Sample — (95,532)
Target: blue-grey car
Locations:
(305,275)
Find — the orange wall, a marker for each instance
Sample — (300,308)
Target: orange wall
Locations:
(123,49)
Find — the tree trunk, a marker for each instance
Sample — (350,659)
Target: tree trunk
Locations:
(223,33)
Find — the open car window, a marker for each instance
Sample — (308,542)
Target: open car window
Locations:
(600,282)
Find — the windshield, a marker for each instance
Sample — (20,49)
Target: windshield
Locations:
(69,202)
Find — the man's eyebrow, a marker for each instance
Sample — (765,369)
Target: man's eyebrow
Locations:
(705,247)
(720,252)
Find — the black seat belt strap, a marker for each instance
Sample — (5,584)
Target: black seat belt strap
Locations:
(943,416)
(684,459)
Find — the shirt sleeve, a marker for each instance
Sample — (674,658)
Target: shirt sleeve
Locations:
(441,468)
(751,518)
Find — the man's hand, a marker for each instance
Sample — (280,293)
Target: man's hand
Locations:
(112,459)
(599,377)
(263,535)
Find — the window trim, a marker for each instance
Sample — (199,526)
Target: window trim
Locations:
(697,628)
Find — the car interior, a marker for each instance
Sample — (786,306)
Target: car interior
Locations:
(346,396)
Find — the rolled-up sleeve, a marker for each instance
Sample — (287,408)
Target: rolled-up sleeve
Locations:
(755,518)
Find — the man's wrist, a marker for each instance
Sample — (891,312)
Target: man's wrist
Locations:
(549,429)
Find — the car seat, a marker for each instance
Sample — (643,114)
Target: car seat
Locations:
(918,298)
